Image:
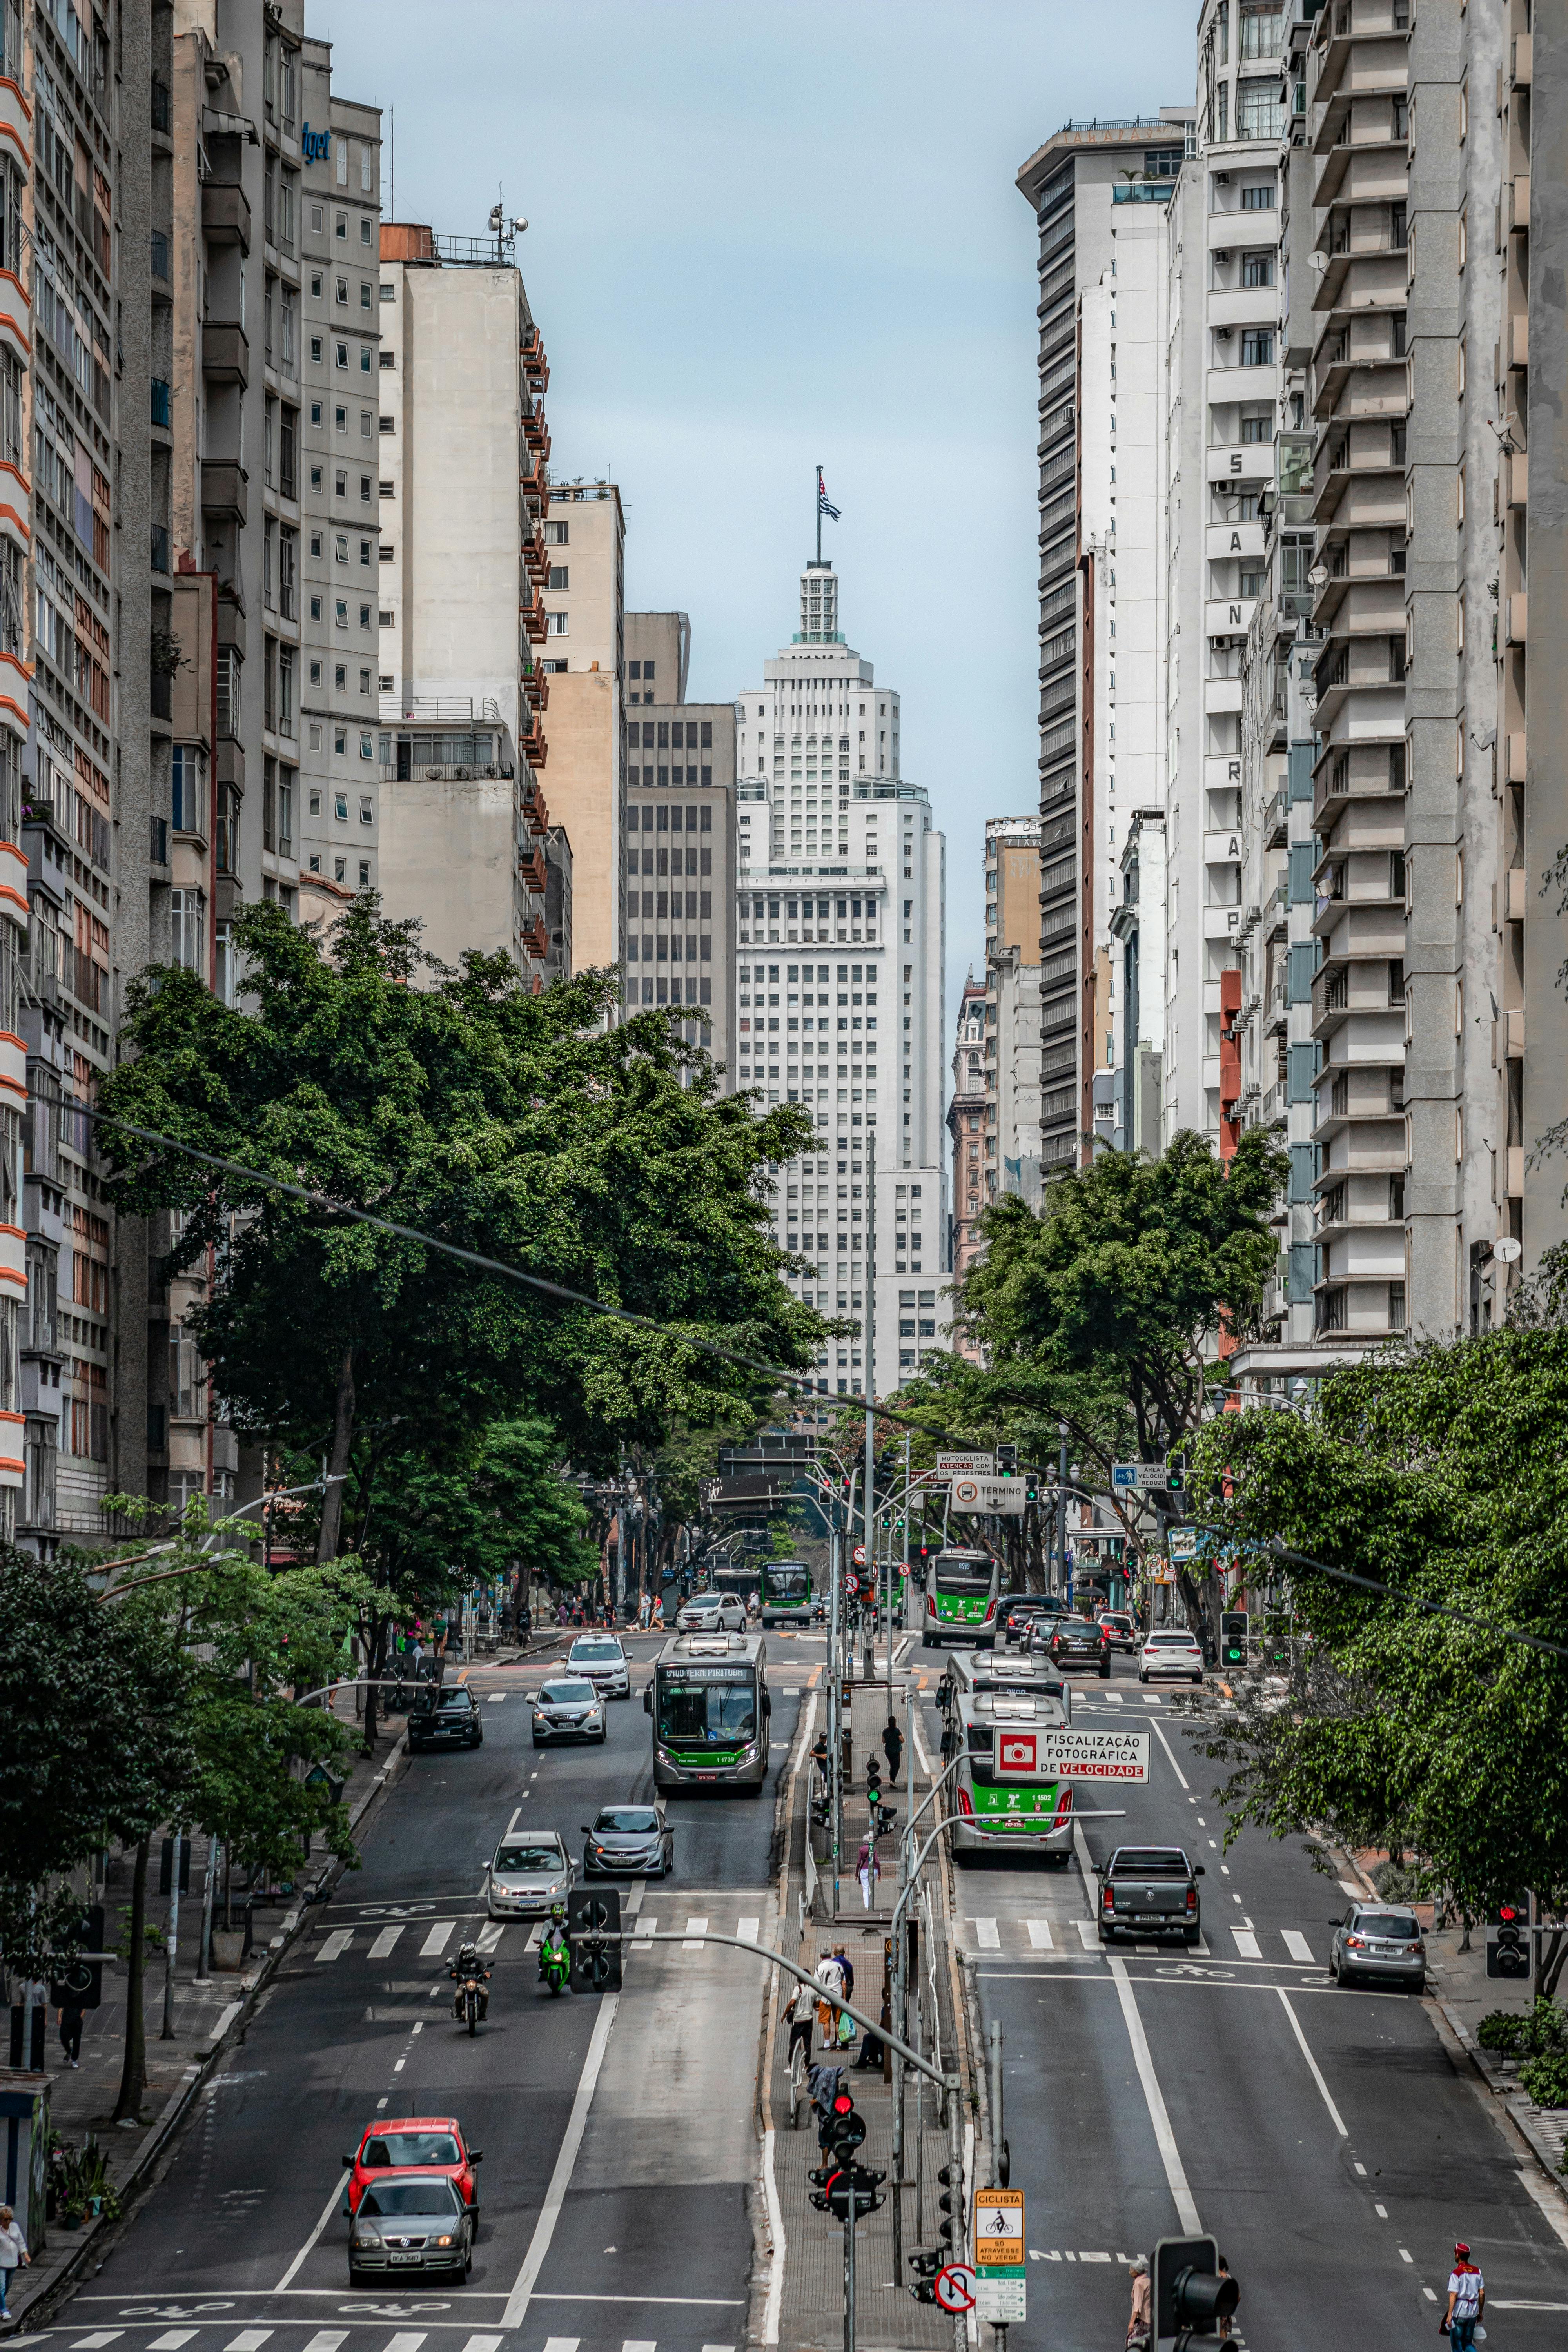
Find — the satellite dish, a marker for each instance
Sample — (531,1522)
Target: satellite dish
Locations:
(1508,1249)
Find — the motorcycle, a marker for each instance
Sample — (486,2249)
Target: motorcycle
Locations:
(472,2001)
(554,1967)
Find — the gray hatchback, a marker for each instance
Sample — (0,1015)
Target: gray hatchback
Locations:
(1380,1943)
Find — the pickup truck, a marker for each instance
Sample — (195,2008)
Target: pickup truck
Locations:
(1147,1891)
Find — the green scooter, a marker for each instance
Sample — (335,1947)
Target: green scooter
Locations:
(555,1955)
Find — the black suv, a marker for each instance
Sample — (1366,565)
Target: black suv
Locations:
(1071,1642)
(445,1718)
(1021,1609)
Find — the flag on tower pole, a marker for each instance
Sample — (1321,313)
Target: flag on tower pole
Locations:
(825,505)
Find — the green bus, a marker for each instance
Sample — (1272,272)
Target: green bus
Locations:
(961,1599)
(709,1704)
(782,1588)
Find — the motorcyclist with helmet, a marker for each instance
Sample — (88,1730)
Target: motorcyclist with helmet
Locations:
(469,1967)
(555,1952)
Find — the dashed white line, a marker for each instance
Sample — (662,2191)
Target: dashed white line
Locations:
(987,1936)
(336,1944)
(1316,2071)
(1295,1944)
(1165,2139)
(378,1952)
(1040,1934)
(696,1930)
(1247,1942)
(437,1941)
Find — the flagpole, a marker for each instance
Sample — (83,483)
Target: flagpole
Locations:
(819,514)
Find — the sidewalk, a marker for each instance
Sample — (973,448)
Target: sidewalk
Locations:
(1464,1994)
(206,2014)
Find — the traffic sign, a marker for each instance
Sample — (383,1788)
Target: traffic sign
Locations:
(1137,1475)
(1005,1495)
(965,1465)
(1063,1752)
(1001,2300)
(858,1555)
(1183,1543)
(955,2287)
(999,2228)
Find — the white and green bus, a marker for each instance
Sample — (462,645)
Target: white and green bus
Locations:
(991,1704)
(782,1587)
(709,1704)
(961,1599)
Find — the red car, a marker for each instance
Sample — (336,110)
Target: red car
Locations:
(418,2144)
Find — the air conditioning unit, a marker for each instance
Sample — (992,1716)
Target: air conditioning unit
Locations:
(492,769)
(1224,256)
(1222,334)
(462,774)
(1222,179)
(432,775)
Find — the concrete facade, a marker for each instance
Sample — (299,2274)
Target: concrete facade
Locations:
(584,659)
(680,820)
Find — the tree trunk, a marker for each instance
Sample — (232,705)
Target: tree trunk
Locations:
(133,2068)
(374,1651)
(338,1461)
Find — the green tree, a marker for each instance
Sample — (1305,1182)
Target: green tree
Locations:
(520,1126)
(1436,1470)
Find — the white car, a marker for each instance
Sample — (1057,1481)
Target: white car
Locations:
(601,1660)
(531,1870)
(712,1612)
(1171,1654)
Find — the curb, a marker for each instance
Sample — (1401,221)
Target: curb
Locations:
(232,2021)
(1516,2105)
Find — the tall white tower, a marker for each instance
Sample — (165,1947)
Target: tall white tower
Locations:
(839,950)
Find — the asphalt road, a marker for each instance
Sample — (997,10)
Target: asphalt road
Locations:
(1325,2136)
(613,2211)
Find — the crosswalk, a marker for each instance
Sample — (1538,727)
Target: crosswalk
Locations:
(381,1944)
(1053,1934)
(332,2339)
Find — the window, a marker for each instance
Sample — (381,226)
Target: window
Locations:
(556,624)
(1258,429)
(555,536)
(366,752)
(316,283)
(389,293)
(1260,110)
(341,290)
(318,223)
(388,359)
(365,874)
(364,355)
(340,355)
(364,231)
(315,419)
(316,348)
(341,613)
(364,294)
(340,227)
(386,423)
(1257,347)
(341,800)
(561,577)
(188,918)
(1259,198)
(1258,270)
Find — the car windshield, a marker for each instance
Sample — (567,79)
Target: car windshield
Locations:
(432,2196)
(410,2147)
(512,1855)
(566,1693)
(592,1654)
(964,1576)
(628,1821)
(712,1706)
(705,1605)
(1150,1861)
(1401,1926)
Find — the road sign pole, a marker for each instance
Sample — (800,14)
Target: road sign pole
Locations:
(849,2267)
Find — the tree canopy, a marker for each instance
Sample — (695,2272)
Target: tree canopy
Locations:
(520,1126)
(1438,1471)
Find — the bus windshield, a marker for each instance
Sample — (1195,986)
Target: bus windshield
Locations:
(737,1580)
(709,1706)
(964,1576)
(789,1583)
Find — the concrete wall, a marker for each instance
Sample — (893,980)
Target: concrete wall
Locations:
(583,785)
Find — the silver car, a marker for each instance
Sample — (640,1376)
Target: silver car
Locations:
(531,1870)
(1379,1943)
(712,1612)
(601,1660)
(567,1710)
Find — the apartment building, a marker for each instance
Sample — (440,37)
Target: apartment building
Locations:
(974,1183)
(583,597)
(657,656)
(459,819)
(840,927)
(680,821)
(1012,1072)
(1072,182)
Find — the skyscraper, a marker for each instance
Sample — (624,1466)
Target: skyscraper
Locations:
(839,943)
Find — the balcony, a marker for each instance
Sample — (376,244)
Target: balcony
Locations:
(226,352)
(225,213)
(1276,819)
(1519,618)
(224,489)
(536,938)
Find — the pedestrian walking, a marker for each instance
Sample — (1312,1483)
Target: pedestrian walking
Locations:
(868,1870)
(802,2010)
(892,1746)
(846,1970)
(1140,2325)
(13,2252)
(71,2016)
(1467,2300)
(819,1756)
(830,1979)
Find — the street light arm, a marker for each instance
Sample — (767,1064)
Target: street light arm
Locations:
(936,1789)
(915,1868)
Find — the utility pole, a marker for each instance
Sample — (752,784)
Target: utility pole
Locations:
(1062,1506)
(836,1702)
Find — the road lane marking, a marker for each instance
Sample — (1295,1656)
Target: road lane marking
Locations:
(566,2157)
(1295,1944)
(642,2344)
(489,1938)
(383,1945)
(1247,1942)
(1150,1698)
(406,2343)
(1040,1934)
(437,1941)
(1315,2068)
(1111,1698)
(987,1936)
(1089,1935)
(1159,1732)
(1381,2211)
(749,1930)
(95,2343)
(513,1823)
(561,2343)
(484,2344)
(1405,2255)
(496,1699)
(647,1925)
(249,2339)
(172,2340)
(1165,2139)
(328,2210)
(327,2339)
(696,1930)
(337,1943)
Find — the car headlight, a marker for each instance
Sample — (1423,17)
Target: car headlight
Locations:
(365,2237)
(446,2241)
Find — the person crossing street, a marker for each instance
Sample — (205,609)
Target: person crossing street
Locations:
(1467,2299)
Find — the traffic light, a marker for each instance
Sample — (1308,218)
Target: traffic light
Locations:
(1175,1478)
(80,1983)
(593,1918)
(840,2183)
(1190,2292)
(925,2268)
(1006,1461)
(1507,1940)
(1031,1486)
(1233,1637)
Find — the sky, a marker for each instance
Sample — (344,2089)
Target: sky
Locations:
(763,238)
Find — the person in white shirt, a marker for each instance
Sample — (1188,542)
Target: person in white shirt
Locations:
(13,2252)
(1467,2299)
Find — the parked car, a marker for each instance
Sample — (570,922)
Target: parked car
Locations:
(601,1660)
(1147,1891)
(445,1718)
(1168,1652)
(421,2144)
(531,1870)
(1381,1944)
(566,1710)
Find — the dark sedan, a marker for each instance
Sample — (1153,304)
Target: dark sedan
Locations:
(1071,1642)
(628,1842)
(1023,1610)
(447,1719)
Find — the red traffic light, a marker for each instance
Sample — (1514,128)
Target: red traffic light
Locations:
(1507,1911)
(843,2104)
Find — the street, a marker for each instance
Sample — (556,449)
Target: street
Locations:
(1327,2138)
(617,2133)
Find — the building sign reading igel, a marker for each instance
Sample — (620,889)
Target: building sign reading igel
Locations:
(315,146)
